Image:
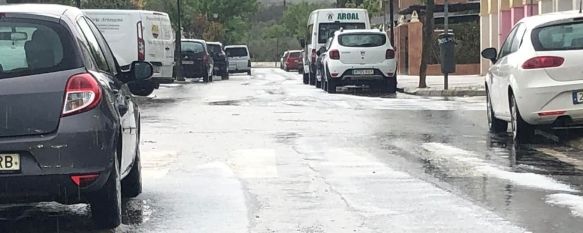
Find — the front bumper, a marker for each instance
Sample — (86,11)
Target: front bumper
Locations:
(82,144)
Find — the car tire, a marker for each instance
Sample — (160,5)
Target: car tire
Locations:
(249,72)
(522,132)
(312,79)
(106,203)
(225,76)
(306,78)
(143,91)
(131,185)
(330,83)
(495,125)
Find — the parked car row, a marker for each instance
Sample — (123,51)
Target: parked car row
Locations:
(341,51)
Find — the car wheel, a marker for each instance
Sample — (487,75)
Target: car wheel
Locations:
(495,125)
(205,79)
(131,185)
(306,78)
(521,131)
(225,76)
(249,72)
(106,203)
(312,79)
(330,83)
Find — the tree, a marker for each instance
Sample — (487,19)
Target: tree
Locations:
(295,18)
(427,42)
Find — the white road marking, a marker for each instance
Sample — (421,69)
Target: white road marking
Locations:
(562,157)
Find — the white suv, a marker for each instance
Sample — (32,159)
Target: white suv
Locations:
(537,78)
(356,57)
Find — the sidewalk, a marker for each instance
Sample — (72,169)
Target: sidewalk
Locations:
(459,85)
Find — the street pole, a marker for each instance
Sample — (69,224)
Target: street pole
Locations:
(392,19)
(446,28)
(179,76)
(78,3)
(277,50)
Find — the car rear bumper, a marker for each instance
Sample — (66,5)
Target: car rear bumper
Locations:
(387,68)
(83,144)
(194,71)
(544,103)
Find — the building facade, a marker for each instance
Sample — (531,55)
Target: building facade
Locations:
(497,17)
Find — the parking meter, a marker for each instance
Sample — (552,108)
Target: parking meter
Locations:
(447,54)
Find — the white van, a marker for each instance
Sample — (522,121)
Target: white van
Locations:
(321,25)
(138,35)
(239,58)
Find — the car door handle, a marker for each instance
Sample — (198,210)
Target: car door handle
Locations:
(167,49)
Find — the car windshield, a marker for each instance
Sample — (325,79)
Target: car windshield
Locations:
(294,54)
(193,47)
(236,52)
(327,29)
(567,36)
(362,40)
(29,47)
(214,48)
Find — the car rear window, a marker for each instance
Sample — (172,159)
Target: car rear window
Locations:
(30,47)
(294,54)
(567,36)
(236,52)
(193,47)
(214,48)
(327,30)
(362,40)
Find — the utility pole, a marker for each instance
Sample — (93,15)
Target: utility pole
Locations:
(446,28)
(179,76)
(392,21)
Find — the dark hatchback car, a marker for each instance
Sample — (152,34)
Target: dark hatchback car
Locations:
(220,58)
(196,60)
(70,126)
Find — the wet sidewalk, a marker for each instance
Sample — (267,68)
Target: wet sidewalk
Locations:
(459,85)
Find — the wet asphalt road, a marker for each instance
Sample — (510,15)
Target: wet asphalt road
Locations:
(269,154)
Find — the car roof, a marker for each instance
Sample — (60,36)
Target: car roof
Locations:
(539,20)
(194,40)
(236,46)
(295,51)
(50,10)
(215,43)
(125,11)
(351,31)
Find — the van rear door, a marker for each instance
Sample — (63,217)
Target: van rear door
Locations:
(120,29)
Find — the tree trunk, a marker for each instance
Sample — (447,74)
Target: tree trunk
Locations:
(427,42)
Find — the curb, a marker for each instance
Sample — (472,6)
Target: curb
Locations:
(443,93)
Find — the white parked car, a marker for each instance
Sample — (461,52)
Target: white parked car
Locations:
(537,77)
(137,35)
(357,57)
(239,59)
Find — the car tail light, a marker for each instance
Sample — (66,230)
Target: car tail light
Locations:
(205,59)
(141,43)
(543,62)
(314,56)
(334,54)
(84,180)
(82,94)
(551,113)
(390,54)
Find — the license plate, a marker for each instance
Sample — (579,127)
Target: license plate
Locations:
(156,69)
(578,97)
(187,62)
(362,72)
(9,162)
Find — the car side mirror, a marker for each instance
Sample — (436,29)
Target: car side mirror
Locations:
(303,42)
(490,54)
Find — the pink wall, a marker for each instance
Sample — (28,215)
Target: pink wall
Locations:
(516,14)
(530,8)
(505,24)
